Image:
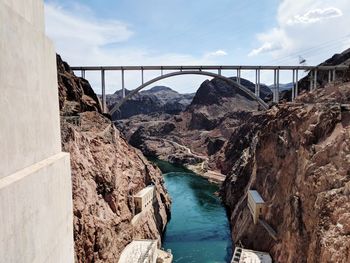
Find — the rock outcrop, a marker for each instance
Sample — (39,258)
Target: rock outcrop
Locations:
(159,99)
(215,91)
(214,100)
(106,173)
(296,155)
(75,94)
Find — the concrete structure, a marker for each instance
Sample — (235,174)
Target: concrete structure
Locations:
(269,229)
(255,204)
(35,184)
(140,251)
(144,251)
(144,198)
(242,255)
(206,71)
(164,256)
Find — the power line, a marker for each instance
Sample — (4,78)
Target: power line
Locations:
(213,21)
(309,50)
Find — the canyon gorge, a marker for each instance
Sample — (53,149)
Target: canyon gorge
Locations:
(296,155)
(111,163)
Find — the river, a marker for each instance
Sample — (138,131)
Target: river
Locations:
(198,231)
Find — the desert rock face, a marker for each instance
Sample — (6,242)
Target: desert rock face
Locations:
(213,100)
(296,156)
(159,99)
(75,94)
(216,90)
(194,137)
(106,173)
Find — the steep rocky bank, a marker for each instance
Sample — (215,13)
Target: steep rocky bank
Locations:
(106,172)
(296,155)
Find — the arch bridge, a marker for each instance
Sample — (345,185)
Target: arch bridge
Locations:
(207,71)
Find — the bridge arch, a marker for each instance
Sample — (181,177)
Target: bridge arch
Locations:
(262,103)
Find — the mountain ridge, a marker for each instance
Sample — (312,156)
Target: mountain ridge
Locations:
(155,100)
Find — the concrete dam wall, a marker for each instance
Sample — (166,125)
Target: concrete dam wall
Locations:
(35,178)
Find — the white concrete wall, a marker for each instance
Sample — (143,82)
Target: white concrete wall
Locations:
(30,10)
(29,112)
(138,250)
(36,216)
(35,183)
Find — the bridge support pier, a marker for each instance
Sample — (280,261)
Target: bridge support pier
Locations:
(142,76)
(311,80)
(295,84)
(296,90)
(238,76)
(257,83)
(334,75)
(103,85)
(293,87)
(315,79)
(276,86)
(123,84)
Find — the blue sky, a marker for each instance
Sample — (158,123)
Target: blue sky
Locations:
(164,32)
(194,27)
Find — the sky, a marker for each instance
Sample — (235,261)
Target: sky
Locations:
(195,32)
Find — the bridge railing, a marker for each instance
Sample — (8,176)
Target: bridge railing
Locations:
(314,70)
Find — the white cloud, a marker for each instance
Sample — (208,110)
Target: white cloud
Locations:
(300,32)
(83,40)
(316,15)
(217,53)
(266,47)
(63,26)
(271,41)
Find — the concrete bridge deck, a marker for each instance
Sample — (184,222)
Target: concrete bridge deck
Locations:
(208,67)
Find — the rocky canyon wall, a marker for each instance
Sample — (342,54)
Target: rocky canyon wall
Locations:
(296,156)
(106,173)
(194,137)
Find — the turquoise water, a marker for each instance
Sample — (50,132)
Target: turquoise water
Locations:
(198,230)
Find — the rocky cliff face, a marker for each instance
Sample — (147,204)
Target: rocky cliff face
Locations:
(215,99)
(159,99)
(106,173)
(195,136)
(75,94)
(296,156)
